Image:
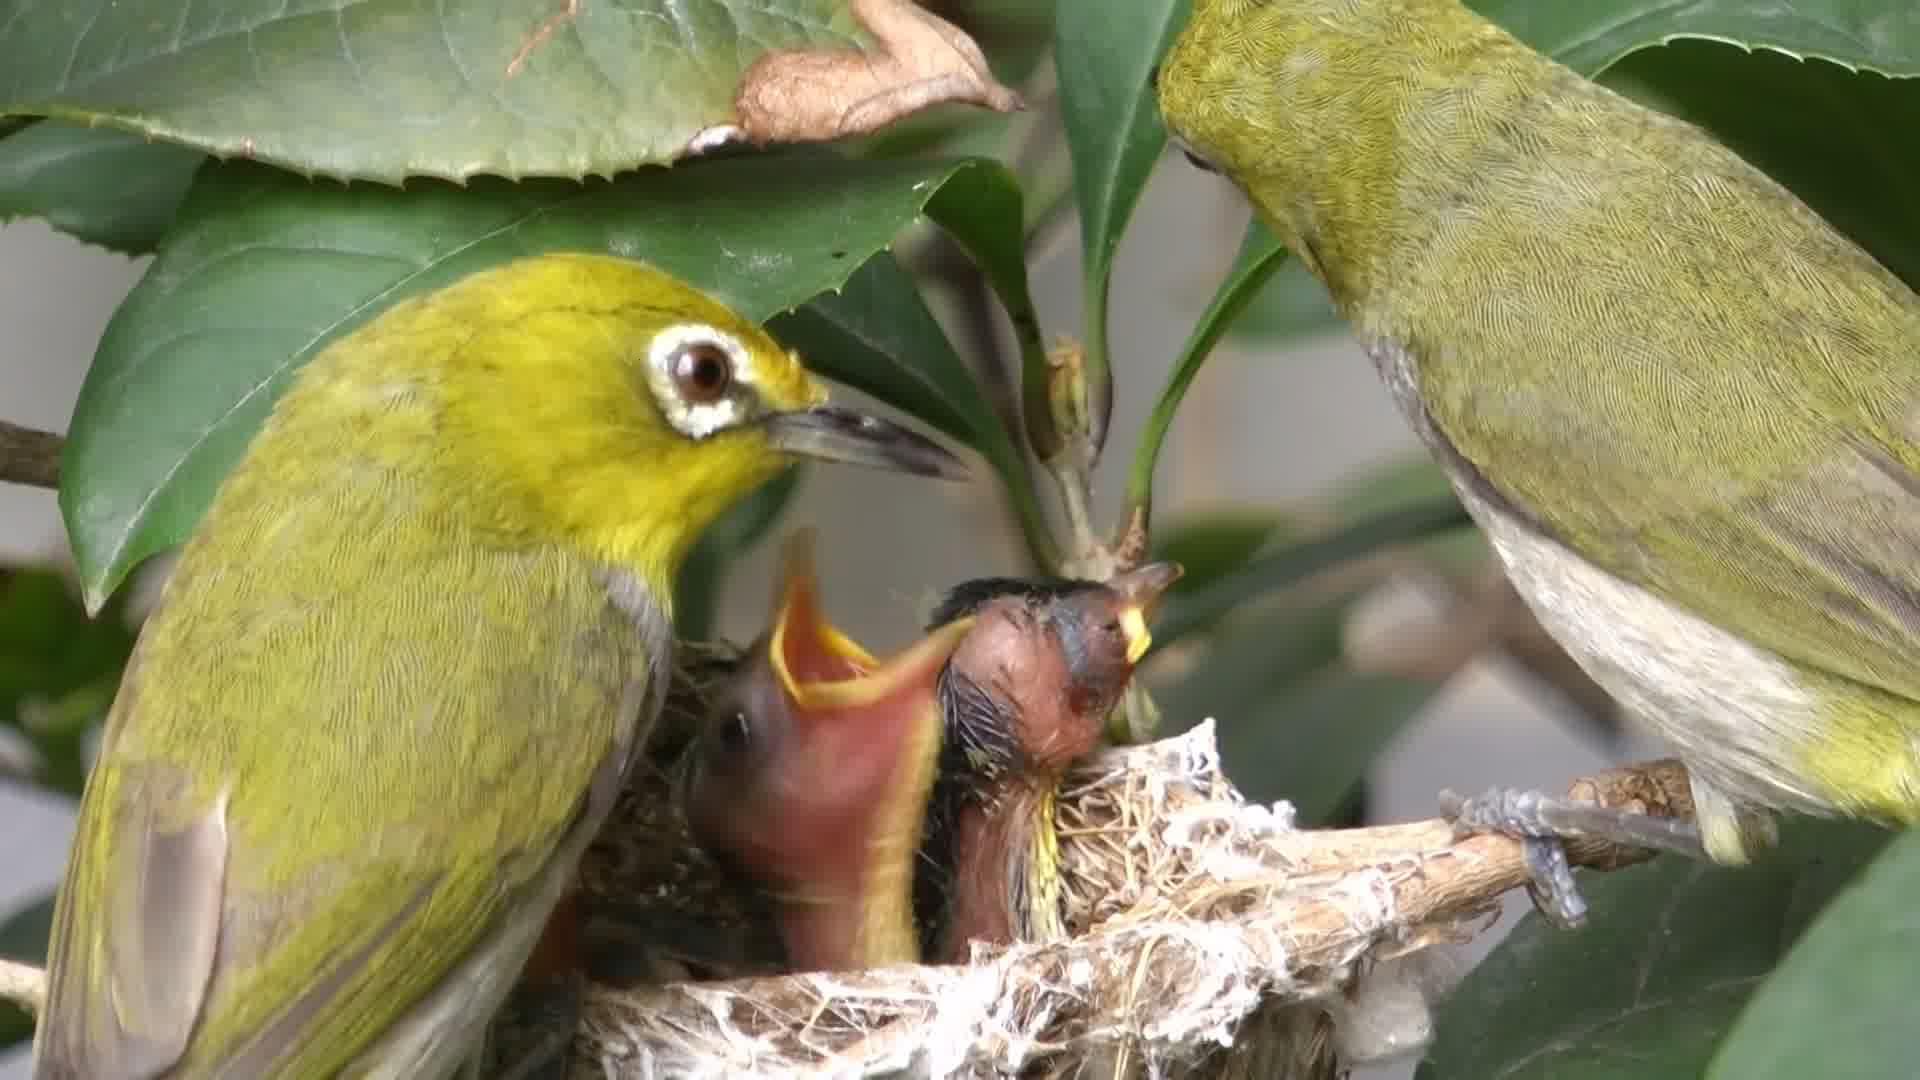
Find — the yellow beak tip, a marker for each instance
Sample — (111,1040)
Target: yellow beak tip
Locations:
(1134,625)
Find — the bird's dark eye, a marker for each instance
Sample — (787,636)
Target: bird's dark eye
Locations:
(702,372)
(1153,79)
(736,731)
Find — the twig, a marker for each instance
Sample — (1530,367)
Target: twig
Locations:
(23,984)
(29,456)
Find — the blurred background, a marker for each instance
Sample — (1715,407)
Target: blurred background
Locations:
(1275,422)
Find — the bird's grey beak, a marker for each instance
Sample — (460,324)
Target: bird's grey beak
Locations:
(856,438)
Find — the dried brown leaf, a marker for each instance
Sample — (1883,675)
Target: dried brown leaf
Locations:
(814,95)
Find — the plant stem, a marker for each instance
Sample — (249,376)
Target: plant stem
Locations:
(28,456)
(24,985)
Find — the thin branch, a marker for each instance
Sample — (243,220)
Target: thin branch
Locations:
(23,984)
(29,456)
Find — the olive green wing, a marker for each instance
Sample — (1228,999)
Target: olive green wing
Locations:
(1802,540)
(314,800)
(1687,377)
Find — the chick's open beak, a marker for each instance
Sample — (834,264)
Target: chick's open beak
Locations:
(823,671)
(1140,591)
(856,438)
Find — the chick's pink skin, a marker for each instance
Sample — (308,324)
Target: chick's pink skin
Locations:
(814,781)
(1054,669)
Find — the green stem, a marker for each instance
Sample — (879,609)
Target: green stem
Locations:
(1024,501)
(1097,367)
(1243,282)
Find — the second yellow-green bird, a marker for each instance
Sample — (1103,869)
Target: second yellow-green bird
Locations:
(1684,409)
(393,683)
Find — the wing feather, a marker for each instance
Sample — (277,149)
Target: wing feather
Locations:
(399,757)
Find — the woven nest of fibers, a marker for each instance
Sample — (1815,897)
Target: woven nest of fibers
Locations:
(1208,937)
(1204,936)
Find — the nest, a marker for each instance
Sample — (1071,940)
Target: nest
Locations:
(1208,937)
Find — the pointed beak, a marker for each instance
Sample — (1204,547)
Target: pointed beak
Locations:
(1141,590)
(856,438)
(806,648)
(875,726)
(821,668)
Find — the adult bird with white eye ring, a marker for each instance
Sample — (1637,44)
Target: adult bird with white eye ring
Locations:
(400,669)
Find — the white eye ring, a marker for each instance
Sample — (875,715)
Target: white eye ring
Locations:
(697,421)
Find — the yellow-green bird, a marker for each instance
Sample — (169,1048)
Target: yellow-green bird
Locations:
(391,688)
(1683,407)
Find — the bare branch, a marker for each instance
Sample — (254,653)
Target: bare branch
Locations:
(28,456)
(23,984)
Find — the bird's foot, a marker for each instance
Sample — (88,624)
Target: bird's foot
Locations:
(1544,823)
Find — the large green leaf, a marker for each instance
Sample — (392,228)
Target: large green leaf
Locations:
(877,335)
(1209,545)
(1645,992)
(1291,304)
(263,269)
(102,186)
(1840,140)
(1880,35)
(1313,743)
(58,670)
(1841,1004)
(384,89)
(1294,721)
(1105,54)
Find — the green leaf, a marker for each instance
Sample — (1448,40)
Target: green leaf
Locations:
(1291,304)
(1294,722)
(23,936)
(1208,546)
(1184,614)
(1260,255)
(1270,652)
(1312,744)
(98,185)
(1880,35)
(1841,1004)
(877,336)
(384,89)
(58,669)
(1403,481)
(1105,54)
(1837,139)
(1645,991)
(263,270)
(696,595)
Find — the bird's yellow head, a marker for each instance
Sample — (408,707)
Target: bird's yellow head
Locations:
(590,400)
